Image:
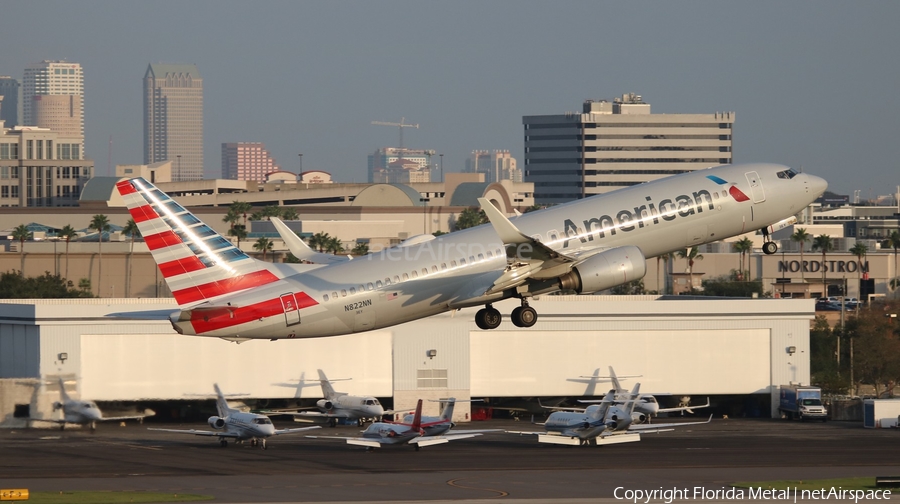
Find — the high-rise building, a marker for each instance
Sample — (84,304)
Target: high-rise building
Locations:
(247,161)
(383,158)
(53,97)
(617,144)
(173,119)
(496,166)
(9,108)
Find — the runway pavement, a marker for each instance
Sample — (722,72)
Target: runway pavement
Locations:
(504,466)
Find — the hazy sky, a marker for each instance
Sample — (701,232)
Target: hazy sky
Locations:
(813,84)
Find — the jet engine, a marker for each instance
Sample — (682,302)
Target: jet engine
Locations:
(216,422)
(638,418)
(606,269)
(326,405)
(57,405)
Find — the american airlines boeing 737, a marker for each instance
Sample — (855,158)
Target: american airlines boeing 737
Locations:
(583,246)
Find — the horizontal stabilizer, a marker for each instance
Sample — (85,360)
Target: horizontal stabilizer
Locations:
(145,315)
(300,249)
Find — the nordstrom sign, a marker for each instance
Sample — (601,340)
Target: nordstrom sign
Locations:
(819,266)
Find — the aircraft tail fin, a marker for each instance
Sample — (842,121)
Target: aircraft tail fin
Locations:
(632,399)
(608,400)
(615,380)
(197,263)
(221,404)
(63,395)
(447,415)
(327,390)
(417,418)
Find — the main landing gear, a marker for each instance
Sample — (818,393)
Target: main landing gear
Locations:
(490,317)
(769,247)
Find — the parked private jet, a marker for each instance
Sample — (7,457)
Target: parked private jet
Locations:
(608,422)
(235,424)
(646,406)
(414,430)
(83,412)
(583,246)
(339,406)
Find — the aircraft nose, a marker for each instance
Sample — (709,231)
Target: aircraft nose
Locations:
(817,185)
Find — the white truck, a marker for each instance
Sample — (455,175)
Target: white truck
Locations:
(803,402)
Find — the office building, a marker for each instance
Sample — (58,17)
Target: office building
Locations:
(9,101)
(173,119)
(412,159)
(41,168)
(496,166)
(611,145)
(53,98)
(247,161)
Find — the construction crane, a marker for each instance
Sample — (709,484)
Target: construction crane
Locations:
(402,124)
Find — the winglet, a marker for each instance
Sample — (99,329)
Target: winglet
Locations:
(508,232)
(417,418)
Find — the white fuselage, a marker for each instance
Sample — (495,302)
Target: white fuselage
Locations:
(351,407)
(401,284)
(247,425)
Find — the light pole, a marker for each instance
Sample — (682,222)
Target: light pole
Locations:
(179,165)
(442,167)
(301,162)
(783,267)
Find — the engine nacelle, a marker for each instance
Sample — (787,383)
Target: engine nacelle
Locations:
(606,269)
(216,422)
(638,418)
(325,405)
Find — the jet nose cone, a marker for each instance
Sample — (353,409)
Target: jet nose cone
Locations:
(817,185)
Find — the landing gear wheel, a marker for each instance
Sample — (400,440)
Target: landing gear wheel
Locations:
(524,316)
(488,318)
(770,248)
(262,442)
(359,422)
(223,443)
(332,422)
(93,427)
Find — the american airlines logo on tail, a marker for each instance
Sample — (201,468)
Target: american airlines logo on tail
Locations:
(735,193)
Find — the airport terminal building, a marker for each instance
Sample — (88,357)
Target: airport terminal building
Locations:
(737,351)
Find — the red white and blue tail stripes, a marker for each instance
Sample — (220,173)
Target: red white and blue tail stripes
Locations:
(197,263)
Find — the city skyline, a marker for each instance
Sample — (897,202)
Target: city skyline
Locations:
(808,81)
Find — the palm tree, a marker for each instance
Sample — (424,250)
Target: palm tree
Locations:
(67,233)
(289,213)
(334,246)
(893,241)
(319,241)
(232,218)
(801,236)
(241,208)
(239,231)
(101,223)
(823,243)
(691,255)
(361,249)
(744,246)
(270,211)
(859,250)
(665,259)
(21,233)
(264,244)
(131,229)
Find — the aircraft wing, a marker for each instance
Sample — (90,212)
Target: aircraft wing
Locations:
(129,417)
(362,441)
(433,440)
(300,249)
(307,414)
(454,432)
(198,432)
(526,433)
(49,420)
(684,408)
(663,426)
(279,432)
(144,315)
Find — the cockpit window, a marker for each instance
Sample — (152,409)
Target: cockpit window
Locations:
(787,174)
(262,421)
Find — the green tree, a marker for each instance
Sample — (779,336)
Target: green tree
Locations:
(691,255)
(239,231)
(471,217)
(319,241)
(100,222)
(241,208)
(270,211)
(876,357)
(289,213)
(264,244)
(823,243)
(15,286)
(729,287)
(67,233)
(21,233)
(232,218)
(131,229)
(859,250)
(802,237)
(438,233)
(893,241)
(334,246)
(629,288)
(361,249)
(665,259)
(744,246)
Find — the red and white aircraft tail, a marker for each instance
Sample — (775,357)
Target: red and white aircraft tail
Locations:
(197,263)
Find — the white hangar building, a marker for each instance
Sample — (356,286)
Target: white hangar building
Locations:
(718,347)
